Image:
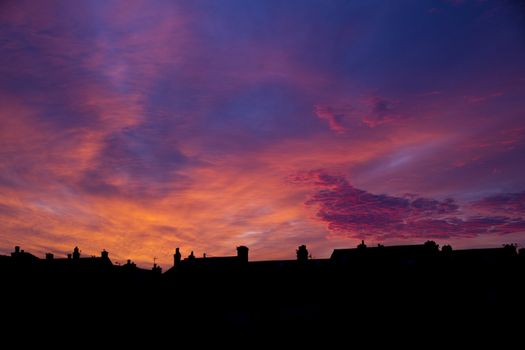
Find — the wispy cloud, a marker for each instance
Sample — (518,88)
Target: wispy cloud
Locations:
(332,117)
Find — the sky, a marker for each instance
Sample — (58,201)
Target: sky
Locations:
(142,126)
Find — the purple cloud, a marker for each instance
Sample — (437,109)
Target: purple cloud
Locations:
(356,213)
(334,119)
(506,203)
(380,111)
(371,111)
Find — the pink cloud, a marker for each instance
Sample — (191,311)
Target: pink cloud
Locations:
(505,203)
(335,121)
(380,111)
(372,111)
(355,213)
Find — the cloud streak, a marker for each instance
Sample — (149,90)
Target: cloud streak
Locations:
(334,120)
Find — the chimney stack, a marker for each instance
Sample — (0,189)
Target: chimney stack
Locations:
(176,257)
(76,253)
(302,253)
(242,254)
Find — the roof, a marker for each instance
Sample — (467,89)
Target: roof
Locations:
(482,254)
(382,250)
(91,264)
(22,255)
(212,261)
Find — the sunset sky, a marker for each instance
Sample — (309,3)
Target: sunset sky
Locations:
(142,126)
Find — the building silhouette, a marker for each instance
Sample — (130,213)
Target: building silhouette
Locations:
(301,297)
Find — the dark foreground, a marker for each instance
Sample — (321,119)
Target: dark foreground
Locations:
(438,298)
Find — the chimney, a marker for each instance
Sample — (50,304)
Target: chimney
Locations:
(17,249)
(242,254)
(176,257)
(76,253)
(302,253)
(49,256)
(69,256)
(191,257)
(104,254)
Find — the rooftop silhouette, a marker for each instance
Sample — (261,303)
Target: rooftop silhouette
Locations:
(232,293)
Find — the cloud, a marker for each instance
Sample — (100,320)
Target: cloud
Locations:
(334,119)
(141,156)
(356,213)
(380,111)
(505,203)
(372,111)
